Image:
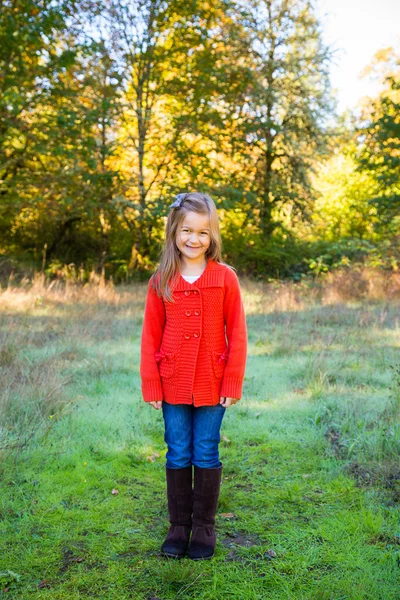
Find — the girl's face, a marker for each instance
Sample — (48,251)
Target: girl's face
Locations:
(193,237)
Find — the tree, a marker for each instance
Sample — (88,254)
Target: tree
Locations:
(378,135)
(63,188)
(169,54)
(283,114)
(29,34)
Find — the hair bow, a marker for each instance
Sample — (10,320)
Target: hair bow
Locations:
(178,201)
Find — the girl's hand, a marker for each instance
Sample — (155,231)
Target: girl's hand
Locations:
(228,401)
(156,404)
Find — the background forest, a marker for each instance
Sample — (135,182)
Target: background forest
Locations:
(108,109)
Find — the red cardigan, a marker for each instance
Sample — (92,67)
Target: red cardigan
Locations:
(193,350)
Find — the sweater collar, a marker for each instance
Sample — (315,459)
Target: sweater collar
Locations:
(212,276)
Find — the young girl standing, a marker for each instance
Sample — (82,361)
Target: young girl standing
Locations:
(193,359)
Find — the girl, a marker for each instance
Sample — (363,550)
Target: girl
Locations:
(193,359)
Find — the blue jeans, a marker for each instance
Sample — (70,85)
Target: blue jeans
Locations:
(192,435)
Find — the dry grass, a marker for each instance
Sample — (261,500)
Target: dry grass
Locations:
(45,328)
(358,284)
(333,288)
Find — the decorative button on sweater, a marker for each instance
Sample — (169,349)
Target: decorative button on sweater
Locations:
(195,360)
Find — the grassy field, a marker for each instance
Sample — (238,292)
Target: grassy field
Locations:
(310,498)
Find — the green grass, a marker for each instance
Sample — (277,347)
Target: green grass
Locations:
(310,455)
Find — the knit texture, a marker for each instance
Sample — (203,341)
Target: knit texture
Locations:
(194,350)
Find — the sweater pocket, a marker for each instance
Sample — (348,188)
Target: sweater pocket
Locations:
(167,362)
(219,363)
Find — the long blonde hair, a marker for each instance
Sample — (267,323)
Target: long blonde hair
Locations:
(169,268)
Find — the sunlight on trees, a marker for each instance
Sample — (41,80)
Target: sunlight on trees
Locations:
(109,109)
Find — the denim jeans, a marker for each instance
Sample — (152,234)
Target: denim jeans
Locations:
(192,435)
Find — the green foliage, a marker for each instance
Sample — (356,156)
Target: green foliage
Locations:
(278,256)
(342,208)
(28,33)
(379,144)
(322,256)
(107,111)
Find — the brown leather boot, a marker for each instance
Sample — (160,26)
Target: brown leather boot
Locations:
(207,484)
(179,494)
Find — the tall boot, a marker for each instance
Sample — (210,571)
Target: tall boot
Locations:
(179,494)
(206,490)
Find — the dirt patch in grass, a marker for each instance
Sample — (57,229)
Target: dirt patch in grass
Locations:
(334,438)
(383,476)
(235,540)
(129,555)
(247,487)
(385,539)
(97,565)
(70,556)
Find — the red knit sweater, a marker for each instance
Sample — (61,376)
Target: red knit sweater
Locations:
(193,350)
